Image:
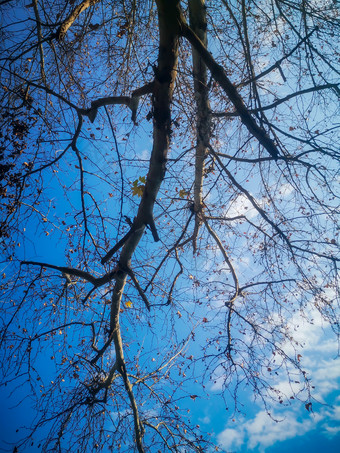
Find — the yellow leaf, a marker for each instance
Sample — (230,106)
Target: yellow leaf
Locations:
(182,193)
(138,186)
(128,304)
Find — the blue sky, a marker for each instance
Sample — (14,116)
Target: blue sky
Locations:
(297,428)
(249,430)
(252,431)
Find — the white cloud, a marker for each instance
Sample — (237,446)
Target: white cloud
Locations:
(288,389)
(241,206)
(332,430)
(262,431)
(318,360)
(231,438)
(334,413)
(144,154)
(218,380)
(318,353)
(206,420)
(285,190)
(325,377)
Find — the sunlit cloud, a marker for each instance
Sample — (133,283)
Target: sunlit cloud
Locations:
(262,432)
(241,206)
(231,438)
(318,359)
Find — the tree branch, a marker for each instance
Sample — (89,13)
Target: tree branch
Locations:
(277,64)
(40,39)
(226,259)
(130,101)
(68,22)
(198,22)
(118,246)
(131,274)
(100,281)
(280,101)
(219,74)
(251,199)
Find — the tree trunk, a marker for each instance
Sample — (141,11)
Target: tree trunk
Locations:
(198,23)
(165,75)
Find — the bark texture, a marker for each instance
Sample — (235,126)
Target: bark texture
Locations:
(163,86)
(198,23)
(68,22)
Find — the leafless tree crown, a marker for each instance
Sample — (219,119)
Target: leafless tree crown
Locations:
(169,175)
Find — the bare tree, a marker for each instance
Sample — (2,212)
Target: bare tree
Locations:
(185,158)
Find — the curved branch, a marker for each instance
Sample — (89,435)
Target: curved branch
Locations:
(169,251)
(118,246)
(180,272)
(130,101)
(96,281)
(251,199)
(49,164)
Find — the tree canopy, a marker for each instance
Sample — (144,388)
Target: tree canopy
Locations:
(169,175)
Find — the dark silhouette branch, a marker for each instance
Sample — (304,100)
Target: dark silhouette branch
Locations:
(40,39)
(251,199)
(219,74)
(179,273)
(317,88)
(277,64)
(169,251)
(96,281)
(130,101)
(118,246)
(153,229)
(226,259)
(131,274)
